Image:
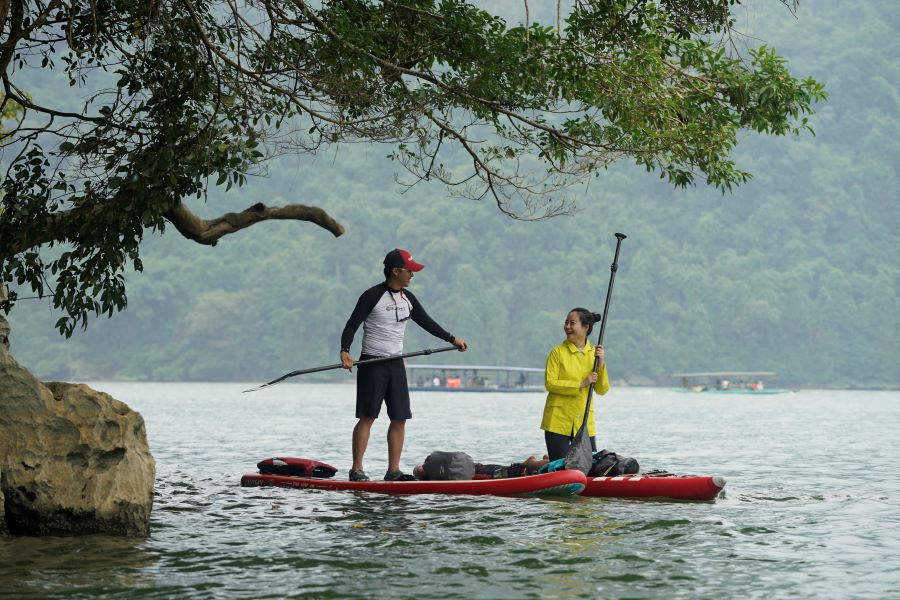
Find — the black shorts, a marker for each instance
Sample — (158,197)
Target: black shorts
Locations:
(382,381)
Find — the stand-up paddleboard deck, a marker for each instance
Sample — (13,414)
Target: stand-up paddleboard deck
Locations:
(559,483)
(303,473)
(640,485)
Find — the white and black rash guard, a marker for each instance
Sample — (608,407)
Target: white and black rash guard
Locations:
(383,314)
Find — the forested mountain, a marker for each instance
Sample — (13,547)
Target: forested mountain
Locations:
(796,271)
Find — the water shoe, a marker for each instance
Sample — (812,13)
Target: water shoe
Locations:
(358,475)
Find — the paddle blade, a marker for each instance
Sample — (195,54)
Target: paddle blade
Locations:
(579,456)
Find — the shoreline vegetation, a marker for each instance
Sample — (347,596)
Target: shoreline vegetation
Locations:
(795,271)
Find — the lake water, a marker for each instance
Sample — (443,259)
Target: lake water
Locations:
(811,509)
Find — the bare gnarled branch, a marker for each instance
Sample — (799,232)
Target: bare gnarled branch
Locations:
(209,232)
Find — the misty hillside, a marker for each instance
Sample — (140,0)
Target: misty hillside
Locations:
(795,272)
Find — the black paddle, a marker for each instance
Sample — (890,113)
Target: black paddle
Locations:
(368,361)
(579,455)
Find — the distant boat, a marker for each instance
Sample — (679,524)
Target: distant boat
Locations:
(727,382)
(474,378)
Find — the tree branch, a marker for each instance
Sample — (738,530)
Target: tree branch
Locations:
(208,232)
(186,222)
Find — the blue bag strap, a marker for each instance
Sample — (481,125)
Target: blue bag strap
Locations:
(553,465)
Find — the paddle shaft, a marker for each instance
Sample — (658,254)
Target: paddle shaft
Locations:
(368,361)
(612,278)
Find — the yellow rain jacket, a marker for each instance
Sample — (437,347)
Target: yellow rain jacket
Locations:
(567,366)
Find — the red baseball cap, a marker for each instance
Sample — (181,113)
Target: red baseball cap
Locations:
(401,259)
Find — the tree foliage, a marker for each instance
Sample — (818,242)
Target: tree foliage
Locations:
(183,95)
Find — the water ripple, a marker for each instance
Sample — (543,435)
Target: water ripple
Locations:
(808,532)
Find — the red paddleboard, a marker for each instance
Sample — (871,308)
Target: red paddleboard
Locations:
(640,485)
(559,483)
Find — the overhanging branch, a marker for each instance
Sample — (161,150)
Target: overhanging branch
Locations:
(209,232)
(186,222)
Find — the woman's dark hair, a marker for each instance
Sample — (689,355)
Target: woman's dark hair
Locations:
(587,318)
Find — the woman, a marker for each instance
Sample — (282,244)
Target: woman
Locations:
(567,376)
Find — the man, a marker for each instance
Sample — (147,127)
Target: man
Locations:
(383,310)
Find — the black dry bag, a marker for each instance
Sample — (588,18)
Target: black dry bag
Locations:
(610,464)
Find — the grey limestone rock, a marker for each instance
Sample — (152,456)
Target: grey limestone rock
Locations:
(73,460)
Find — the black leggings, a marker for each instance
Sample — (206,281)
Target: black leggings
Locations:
(558,444)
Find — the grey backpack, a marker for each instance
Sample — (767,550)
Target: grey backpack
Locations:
(449,465)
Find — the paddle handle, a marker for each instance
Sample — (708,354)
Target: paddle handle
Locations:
(368,361)
(612,278)
(426,352)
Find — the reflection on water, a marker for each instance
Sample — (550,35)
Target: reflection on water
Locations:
(799,517)
(92,565)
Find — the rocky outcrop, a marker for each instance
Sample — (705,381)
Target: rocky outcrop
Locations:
(72,460)
(3,530)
